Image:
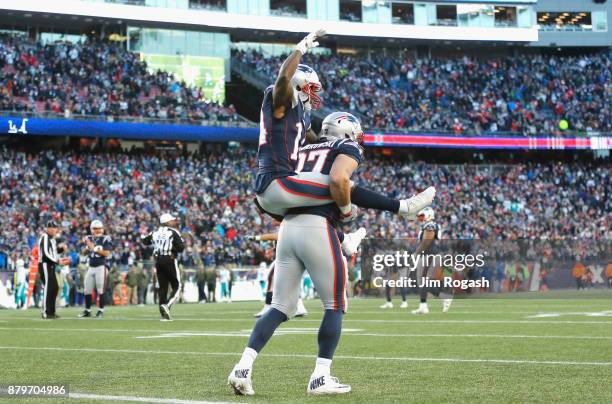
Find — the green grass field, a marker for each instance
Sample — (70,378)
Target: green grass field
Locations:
(484,350)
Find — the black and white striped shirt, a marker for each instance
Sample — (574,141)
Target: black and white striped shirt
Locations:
(47,249)
(166,241)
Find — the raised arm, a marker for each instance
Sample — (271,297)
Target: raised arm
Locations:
(282,94)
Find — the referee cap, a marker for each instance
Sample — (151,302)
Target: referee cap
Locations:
(52,223)
(96,224)
(166,217)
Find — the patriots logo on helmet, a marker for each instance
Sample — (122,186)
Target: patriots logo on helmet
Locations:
(305,69)
(343,125)
(306,82)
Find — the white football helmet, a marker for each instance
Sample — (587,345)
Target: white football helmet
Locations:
(96,224)
(427,214)
(306,82)
(342,125)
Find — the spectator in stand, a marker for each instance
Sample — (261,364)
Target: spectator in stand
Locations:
(528,94)
(212,195)
(96,78)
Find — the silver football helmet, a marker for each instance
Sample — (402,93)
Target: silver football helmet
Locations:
(428,214)
(342,125)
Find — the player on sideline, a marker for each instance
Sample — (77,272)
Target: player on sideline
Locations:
(98,248)
(308,240)
(429,232)
(279,183)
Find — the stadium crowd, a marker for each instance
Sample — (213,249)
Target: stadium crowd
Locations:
(212,194)
(529,94)
(95,78)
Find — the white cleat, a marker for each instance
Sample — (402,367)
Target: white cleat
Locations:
(446,304)
(326,384)
(301,309)
(404,305)
(411,206)
(387,305)
(263,311)
(240,380)
(352,240)
(423,309)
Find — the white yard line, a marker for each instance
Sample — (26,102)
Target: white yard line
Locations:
(103,397)
(299,331)
(364,358)
(578,337)
(416,320)
(193,334)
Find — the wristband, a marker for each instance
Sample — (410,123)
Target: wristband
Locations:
(346,209)
(257,238)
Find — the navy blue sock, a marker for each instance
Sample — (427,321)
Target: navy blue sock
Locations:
(101,301)
(388,292)
(423,294)
(264,328)
(88,302)
(365,198)
(404,292)
(329,333)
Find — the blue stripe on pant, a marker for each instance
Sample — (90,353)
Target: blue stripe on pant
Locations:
(339,270)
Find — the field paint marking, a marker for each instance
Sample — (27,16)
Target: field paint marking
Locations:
(456,310)
(606,313)
(347,331)
(482,336)
(372,358)
(141,399)
(83,329)
(279,333)
(193,334)
(242,333)
(419,320)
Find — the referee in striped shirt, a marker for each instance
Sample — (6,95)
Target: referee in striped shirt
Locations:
(49,263)
(167,244)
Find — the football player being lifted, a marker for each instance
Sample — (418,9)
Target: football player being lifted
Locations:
(284,122)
